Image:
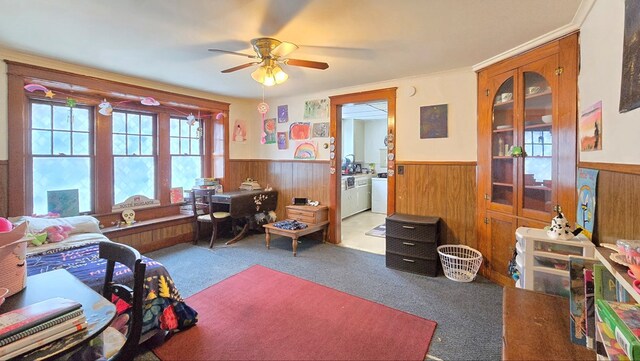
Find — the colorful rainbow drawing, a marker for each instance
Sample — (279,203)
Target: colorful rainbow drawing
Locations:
(305,151)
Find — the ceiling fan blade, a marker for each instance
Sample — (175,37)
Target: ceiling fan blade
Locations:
(306,63)
(234,53)
(240,67)
(284,49)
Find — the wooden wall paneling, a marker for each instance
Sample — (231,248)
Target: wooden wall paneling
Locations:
(617,202)
(455,208)
(17,103)
(163,184)
(4,168)
(471,205)
(103,156)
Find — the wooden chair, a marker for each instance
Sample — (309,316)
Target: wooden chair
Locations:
(117,345)
(204,211)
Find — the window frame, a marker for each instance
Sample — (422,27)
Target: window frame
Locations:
(201,144)
(29,156)
(90,91)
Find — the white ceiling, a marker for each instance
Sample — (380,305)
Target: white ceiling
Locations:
(363,41)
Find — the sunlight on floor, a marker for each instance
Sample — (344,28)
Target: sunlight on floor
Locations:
(354,229)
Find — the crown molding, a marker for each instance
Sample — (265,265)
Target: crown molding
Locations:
(578,19)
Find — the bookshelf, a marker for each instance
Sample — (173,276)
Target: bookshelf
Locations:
(618,271)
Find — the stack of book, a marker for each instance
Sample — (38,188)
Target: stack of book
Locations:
(36,325)
(620,328)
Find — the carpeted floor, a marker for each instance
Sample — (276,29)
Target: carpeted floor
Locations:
(469,315)
(262,314)
(379,231)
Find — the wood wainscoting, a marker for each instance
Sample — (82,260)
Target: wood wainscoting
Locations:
(617,200)
(4,172)
(441,189)
(291,178)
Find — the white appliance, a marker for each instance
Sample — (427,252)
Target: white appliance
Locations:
(379,195)
(543,263)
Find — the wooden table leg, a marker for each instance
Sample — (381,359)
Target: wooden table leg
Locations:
(294,244)
(324,233)
(268,237)
(239,236)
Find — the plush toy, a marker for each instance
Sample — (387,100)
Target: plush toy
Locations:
(560,228)
(38,239)
(58,233)
(5,225)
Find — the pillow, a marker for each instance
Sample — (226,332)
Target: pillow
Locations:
(79,224)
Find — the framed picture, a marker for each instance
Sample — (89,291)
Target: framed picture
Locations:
(629,91)
(433,121)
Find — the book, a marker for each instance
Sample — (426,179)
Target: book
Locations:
(612,348)
(42,338)
(624,320)
(177,195)
(577,316)
(42,326)
(604,284)
(589,312)
(19,320)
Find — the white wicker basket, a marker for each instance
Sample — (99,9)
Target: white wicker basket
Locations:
(460,263)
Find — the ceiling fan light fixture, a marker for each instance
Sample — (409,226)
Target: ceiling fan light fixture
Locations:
(269,79)
(279,75)
(259,74)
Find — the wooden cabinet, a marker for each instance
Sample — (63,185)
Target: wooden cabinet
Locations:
(527,114)
(308,214)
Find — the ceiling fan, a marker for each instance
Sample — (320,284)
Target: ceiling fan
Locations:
(271,53)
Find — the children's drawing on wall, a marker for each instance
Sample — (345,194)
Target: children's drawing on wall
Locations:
(320,130)
(305,150)
(299,131)
(591,128)
(433,121)
(269,131)
(283,141)
(64,202)
(629,90)
(316,109)
(283,113)
(239,131)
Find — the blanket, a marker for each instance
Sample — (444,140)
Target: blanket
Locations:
(164,308)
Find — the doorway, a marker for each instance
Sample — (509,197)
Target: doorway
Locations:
(363,184)
(340,104)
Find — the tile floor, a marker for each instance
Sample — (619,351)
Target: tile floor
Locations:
(354,229)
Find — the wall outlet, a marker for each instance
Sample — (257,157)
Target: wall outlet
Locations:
(400,170)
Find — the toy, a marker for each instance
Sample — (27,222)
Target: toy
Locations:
(560,228)
(38,239)
(58,233)
(5,225)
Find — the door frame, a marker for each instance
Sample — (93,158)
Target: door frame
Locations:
(335,163)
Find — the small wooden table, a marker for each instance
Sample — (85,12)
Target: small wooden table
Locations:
(60,283)
(536,327)
(295,234)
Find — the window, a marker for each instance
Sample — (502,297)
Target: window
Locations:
(186,153)
(134,155)
(60,154)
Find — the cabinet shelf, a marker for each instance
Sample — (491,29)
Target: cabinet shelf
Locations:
(502,157)
(502,184)
(537,95)
(503,104)
(618,271)
(503,130)
(537,126)
(538,188)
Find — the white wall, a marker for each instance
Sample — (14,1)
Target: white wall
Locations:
(601,42)
(457,88)
(374,133)
(237,108)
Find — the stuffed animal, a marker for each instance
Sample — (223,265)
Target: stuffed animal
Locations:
(5,225)
(560,228)
(58,233)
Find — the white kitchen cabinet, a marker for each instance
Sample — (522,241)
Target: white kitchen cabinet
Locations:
(379,195)
(356,199)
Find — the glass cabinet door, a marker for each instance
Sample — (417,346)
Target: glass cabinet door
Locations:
(537,177)
(502,139)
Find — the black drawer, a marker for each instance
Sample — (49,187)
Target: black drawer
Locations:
(412,264)
(407,247)
(412,231)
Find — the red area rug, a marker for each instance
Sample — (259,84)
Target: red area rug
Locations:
(262,314)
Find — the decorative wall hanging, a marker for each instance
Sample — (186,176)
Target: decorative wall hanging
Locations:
(269,131)
(591,128)
(239,131)
(433,121)
(135,202)
(299,131)
(149,101)
(283,140)
(306,150)
(316,109)
(283,113)
(586,209)
(105,108)
(66,202)
(320,130)
(629,90)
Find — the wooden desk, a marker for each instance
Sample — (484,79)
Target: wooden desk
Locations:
(536,327)
(243,204)
(295,234)
(60,283)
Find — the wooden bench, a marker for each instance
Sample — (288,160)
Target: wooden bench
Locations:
(295,234)
(536,327)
